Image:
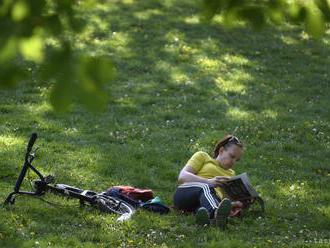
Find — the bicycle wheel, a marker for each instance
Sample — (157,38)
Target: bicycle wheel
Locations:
(113,205)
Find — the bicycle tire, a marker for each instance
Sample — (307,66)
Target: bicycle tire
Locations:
(112,204)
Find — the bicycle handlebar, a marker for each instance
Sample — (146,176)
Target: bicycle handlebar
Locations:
(32,140)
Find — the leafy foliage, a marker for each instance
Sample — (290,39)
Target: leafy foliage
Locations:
(313,14)
(44,32)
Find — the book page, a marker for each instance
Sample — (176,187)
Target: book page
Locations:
(245,180)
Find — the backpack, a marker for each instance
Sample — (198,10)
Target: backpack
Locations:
(138,198)
(135,193)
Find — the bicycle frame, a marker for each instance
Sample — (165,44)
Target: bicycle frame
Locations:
(27,164)
(43,184)
(65,190)
(102,201)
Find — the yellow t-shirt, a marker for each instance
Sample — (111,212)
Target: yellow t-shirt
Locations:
(207,167)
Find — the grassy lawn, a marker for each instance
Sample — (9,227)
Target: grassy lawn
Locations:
(180,86)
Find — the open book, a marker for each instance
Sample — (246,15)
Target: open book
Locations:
(239,188)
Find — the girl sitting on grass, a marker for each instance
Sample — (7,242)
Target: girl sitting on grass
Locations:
(200,183)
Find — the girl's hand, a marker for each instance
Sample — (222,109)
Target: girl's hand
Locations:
(218,181)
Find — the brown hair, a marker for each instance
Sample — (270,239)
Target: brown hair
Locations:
(225,142)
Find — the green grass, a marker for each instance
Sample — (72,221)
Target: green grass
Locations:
(180,86)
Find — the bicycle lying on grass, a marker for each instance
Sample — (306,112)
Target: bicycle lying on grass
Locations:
(101,201)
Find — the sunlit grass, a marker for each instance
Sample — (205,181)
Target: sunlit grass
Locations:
(7,141)
(208,64)
(238,114)
(289,40)
(192,19)
(146,14)
(232,85)
(268,113)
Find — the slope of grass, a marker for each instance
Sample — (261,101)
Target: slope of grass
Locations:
(181,85)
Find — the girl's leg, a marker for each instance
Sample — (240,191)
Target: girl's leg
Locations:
(191,196)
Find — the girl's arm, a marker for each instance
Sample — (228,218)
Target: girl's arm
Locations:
(187,174)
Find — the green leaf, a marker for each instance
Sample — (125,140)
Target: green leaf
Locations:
(32,48)
(59,66)
(11,74)
(276,11)
(5,7)
(61,95)
(94,72)
(58,61)
(88,4)
(314,21)
(276,16)
(324,6)
(231,18)
(98,69)
(20,11)
(9,50)
(92,96)
(296,12)
(277,4)
(209,9)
